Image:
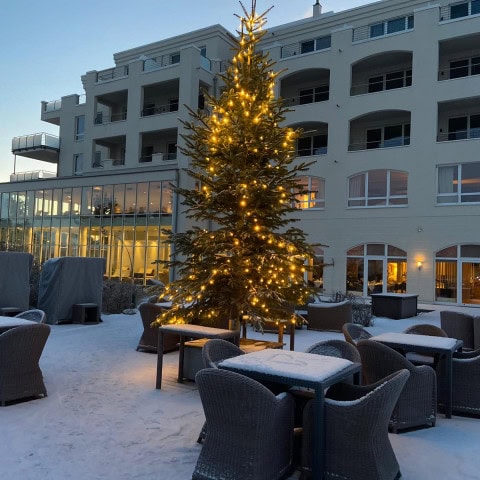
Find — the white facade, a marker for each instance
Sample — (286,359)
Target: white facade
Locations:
(388,98)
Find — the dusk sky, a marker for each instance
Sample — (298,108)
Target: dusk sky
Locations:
(46,46)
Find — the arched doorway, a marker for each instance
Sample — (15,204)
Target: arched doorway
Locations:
(376,268)
(457,274)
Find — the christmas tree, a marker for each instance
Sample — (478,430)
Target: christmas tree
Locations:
(250,261)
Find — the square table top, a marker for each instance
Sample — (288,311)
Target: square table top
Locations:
(417,340)
(13,322)
(195,330)
(285,363)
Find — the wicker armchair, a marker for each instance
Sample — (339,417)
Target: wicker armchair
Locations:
(335,348)
(213,352)
(424,329)
(459,325)
(250,430)
(417,404)
(353,333)
(34,315)
(20,351)
(356,432)
(465,383)
(328,315)
(216,350)
(149,340)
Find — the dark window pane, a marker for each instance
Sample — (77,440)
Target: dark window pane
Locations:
(396,25)
(322,93)
(323,43)
(459,68)
(307,46)
(476,66)
(376,30)
(393,136)
(375,84)
(408,78)
(410,22)
(374,138)
(460,10)
(394,80)
(475,7)
(306,96)
(457,128)
(320,144)
(304,146)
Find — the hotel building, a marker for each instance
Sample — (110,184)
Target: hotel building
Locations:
(387,96)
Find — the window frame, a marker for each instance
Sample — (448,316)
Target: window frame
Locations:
(457,195)
(311,202)
(366,200)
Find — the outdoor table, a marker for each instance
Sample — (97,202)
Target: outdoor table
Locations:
(302,370)
(188,331)
(427,344)
(6,323)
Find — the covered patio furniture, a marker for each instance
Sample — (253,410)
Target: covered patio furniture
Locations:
(459,325)
(148,342)
(353,333)
(357,446)
(329,315)
(66,281)
(35,315)
(417,404)
(15,268)
(250,430)
(20,351)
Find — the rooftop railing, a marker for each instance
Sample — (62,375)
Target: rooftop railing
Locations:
(32,175)
(112,73)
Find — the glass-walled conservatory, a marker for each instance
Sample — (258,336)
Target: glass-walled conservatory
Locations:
(122,223)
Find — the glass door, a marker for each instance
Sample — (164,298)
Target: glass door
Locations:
(375,276)
(470,282)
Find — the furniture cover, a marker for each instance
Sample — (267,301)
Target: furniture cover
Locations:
(417,404)
(329,315)
(65,281)
(250,430)
(20,351)
(357,446)
(15,270)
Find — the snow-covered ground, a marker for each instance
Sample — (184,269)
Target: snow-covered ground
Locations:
(104,419)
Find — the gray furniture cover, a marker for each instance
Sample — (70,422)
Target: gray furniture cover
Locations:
(15,270)
(66,281)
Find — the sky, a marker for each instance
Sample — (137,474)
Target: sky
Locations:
(45,48)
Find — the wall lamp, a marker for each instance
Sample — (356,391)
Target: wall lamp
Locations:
(419,264)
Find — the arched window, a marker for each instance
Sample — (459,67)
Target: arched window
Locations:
(376,268)
(378,188)
(315,193)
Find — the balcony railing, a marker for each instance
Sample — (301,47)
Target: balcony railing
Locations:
(156,109)
(34,141)
(383,28)
(308,46)
(32,175)
(112,74)
(161,61)
(459,10)
(52,106)
(468,69)
(459,135)
(390,143)
(101,118)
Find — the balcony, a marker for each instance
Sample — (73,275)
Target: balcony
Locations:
(114,73)
(32,175)
(381,29)
(160,98)
(459,57)
(305,87)
(459,120)
(38,146)
(386,71)
(158,146)
(109,152)
(384,129)
(459,10)
(111,107)
(306,46)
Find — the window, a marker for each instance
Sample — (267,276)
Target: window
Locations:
(78,163)
(79,128)
(390,81)
(393,25)
(388,136)
(465,67)
(321,43)
(475,7)
(314,145)
(97,160)
(171,151)
(458,183)
(311,193)
(461,128)
(378,188)
(147,152)
(315,94)
(459,10)
(174,58)
(173,105)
